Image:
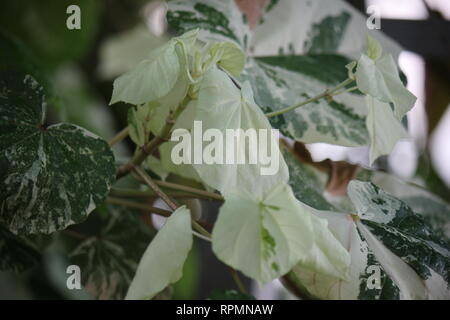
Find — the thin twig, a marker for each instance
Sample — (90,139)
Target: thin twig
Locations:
(139,206)
(237,280)
(148,149)
(181,187)
(149,181)
(199,231)
(119,136)
(326,93)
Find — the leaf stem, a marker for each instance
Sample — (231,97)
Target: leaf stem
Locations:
(180,187)
(149,181)
(150,147)
(133,193)
(200,232)
(119,136)
(326,93)
(139,206)
(237,280)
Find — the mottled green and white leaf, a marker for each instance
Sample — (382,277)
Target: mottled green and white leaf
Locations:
(217,20)
(51,176)
(406,234)
(109,255)
(319,26)
(279,82)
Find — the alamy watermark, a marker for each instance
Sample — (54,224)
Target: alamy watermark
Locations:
(73,21)
(73,281)
(374,19)
(231,146)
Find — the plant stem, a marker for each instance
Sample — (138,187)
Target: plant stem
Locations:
(180,187)
(148,149)
(237,280)
(167,199)
(133,193)
(344,91)
(200,231)
(326,93)
(149,181)
(119,136)
(139,206)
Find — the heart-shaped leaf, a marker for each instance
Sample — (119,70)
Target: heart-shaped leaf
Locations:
(50,177)
(162,262)
(265,237)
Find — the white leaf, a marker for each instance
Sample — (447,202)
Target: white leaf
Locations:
(228,56)
(384,129)
(154,77)
(265,237)
(380,79)
(162,262)
(222,106)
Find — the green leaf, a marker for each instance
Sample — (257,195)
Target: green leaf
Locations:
(381,80)
(432,208)
(307,183)
(265,237)
(138,123)
(320,26)
(374,49)
(384,129)
(222,106)
(221,294)
(406,234)
(51,176)
(110,254)
(317,48)
(162,262)
(157,167)
(17,254)
(279,82)
(387,241)
(155,77)
(321,286)
(217,20)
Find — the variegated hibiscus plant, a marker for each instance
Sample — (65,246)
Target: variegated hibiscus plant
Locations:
(316,78)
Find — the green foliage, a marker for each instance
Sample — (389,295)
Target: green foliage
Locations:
(51,176)
(219,72)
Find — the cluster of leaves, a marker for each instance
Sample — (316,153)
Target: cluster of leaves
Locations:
(262,229)
(269,226)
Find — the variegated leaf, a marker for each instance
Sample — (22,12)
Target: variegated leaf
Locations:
(50,176)
(432,208)
(395,253)
(406,234)
(110,255)
(281,81)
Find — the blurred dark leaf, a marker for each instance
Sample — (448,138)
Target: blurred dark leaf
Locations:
(221,294)
(41,25)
